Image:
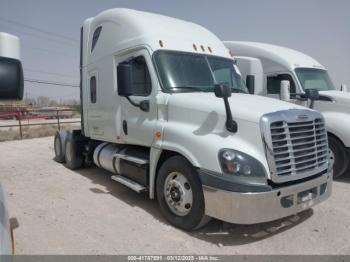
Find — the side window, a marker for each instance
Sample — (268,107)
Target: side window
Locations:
(95,37)
(274,83)
(93,89)
(141,79)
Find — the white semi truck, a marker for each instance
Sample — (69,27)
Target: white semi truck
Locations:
(158,112)
(272,65)
(11,87)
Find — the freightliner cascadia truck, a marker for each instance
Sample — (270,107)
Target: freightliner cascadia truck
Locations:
(165,110)
(272,65)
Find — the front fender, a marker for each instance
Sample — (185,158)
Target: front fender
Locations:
(201,148)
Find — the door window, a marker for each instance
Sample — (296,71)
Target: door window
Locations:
(141,79)
(274,83)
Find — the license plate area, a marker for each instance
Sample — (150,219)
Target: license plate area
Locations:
(307,195)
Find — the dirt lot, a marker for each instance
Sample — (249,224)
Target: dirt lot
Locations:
(64,212)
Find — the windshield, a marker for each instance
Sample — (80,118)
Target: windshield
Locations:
(187,72)
(311,78)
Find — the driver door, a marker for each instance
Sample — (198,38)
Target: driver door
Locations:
(138,125)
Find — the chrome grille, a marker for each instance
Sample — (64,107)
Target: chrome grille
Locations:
(296,146)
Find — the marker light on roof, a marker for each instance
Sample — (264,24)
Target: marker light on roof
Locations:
(161,43)
(202,47)
(194,47)
(209,48)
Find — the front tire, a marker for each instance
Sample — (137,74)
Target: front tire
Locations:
(338,156)
(180,194)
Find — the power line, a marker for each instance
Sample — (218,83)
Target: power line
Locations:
(51,51)
(38,29)
(46,38)
(50,73)
(39,81)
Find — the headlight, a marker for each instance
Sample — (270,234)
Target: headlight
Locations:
(240,164)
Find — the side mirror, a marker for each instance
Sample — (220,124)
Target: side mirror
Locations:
(222,91)
(225,92)
(285,90)
(124,76)
(250,82)
(344,88)
(312,95)
(126,87)
(11,78)
(11,72)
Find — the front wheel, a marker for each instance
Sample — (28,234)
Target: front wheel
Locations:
(180,194)
(338,157)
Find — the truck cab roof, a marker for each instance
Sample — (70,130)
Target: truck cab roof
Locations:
(122,29)
(275,55)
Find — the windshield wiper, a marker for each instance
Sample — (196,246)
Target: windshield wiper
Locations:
(207,90)
(191,88)
(238,90)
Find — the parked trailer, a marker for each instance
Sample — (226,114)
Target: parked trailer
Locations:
(287,74)
(153,115)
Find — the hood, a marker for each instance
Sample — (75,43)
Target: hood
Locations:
(244,107)
(340,102)
(341,98)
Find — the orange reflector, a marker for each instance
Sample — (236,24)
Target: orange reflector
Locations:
(202,47)
(161,43)
(194,47)
(209,48)
(158,134)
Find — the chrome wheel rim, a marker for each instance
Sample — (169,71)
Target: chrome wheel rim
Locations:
(331,158)
(178,194)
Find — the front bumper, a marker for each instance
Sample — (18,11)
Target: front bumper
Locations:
(258,207)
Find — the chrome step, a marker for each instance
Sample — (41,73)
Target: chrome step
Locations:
(129,183)
(132,159)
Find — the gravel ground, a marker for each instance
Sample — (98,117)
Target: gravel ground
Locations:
(83,212)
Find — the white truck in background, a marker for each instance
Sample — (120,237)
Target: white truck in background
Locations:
(11,87)
(286,74)
(158,112)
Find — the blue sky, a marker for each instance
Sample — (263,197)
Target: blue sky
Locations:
(320,29)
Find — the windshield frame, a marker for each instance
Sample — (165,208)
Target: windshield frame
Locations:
(183,90)
(315,69)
